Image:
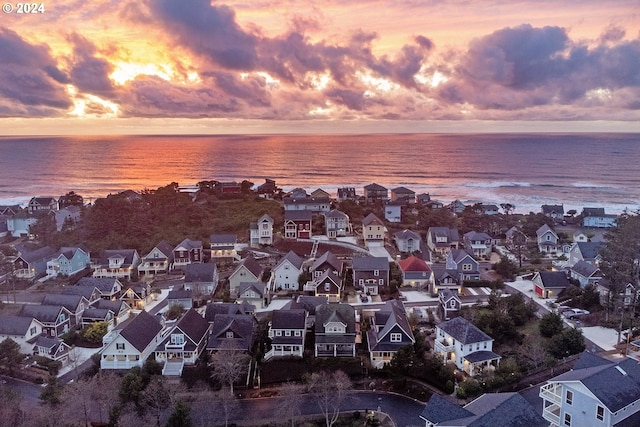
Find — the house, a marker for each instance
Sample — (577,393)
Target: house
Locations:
(158,261)
(248,270)
(423,198)
(227,308)
(375,193)
(515,238)
(370,273)
(553,211)
(347,193)
(70,199)
(21,329)
(231,332)
(450,303)
(229,187)
(181,297)
(440,240)
(183,344)
(76,304)
(580,236)
(187,252)
(286,272)
(403,194)
(389,332)
(131,343)
(10,210)
(596,218)
(596,392)
(335,331)
(108,288)
(253,293)
(373,230)
(268,189)
(311,204)
(328,285)
(336,224)
(297,224)
(287,332)
(52,349)
(261,231)
(407,241)
(585,273)
(68,261)
(628,294)
(201,279)
(416,273)
(585,251)
(547,239)
(94,315)
(298,193)
(20,224)
(42,204)
(393,210)
(137,296)
(456,207)
(462,261)
(326,262)
(490,409)
(120,309)
(117,264)
(30,264)
(490,209)
(445,279)
(90,293)
(548,284)
(319,193)
(55,319)
(463,343)
(479,243)
(223,247)
(309,303)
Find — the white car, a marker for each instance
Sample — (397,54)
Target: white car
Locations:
(574,312)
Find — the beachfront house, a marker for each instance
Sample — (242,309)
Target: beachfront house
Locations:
(42,204)
(375,193)
(597,218)
(553,211)
(311,204)
(403,194)
(547,240)
(393,210)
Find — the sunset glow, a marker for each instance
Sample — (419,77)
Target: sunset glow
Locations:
(453,64)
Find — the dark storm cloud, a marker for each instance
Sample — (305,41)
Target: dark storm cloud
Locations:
(89,73)
(251,89)
(30,81)
(208,30)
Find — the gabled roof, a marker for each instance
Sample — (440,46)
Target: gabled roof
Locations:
(289,319)
(189,244)
(37,254)
(334,213)
(329,258)
(69,301)
(475,235)
(328,274)
(127,254)
(291,257)
(179,294)
(589,250)
(250,264)
(464,331)
(115,306)
(370,219)
(397,315)
(549,209)
(545,229)
(370,263)
(615,385)
(43,313)
(502,409)
(163,247)
(69,251)
(223,239)
(584,268)
(406,235)
(402,190)
(85,291)
(553,279)
(593,212)
(15,325)
(413,264)
(343,313)
(142,330)
(450,233)
(204,272)
(306,302)
(96,313)
(374,187)
(240,324)
(43,200)
(102,284)
(298,215)
(439,409)
(229,308)
(457,255)
(257,287)
(447,294)
(193,325)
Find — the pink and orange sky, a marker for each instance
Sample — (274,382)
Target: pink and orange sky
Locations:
(262,66)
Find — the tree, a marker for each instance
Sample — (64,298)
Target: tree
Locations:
(10,354)
(506,268)
(289,406)
(550,324)
(507,208)
(156,396)
(95,332)
(10,402)
(330,390)
(174,312)
(131,387)
(569,341)
(52,392)
(534,351)
(181,416)
(228,364)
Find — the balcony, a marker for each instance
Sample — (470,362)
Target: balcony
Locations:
(444,346)
(551,393)
(552,414)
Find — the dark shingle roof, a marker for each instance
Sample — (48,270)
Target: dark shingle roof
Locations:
(293,258)
(439,409)
(240,324)
(480,356)
(343,313)
(464,331)
(103,284)
(193,325)
(503,409)
(289,319)
(554,279)
(189,244)
(141,330)
(226,308)
(589,250)
(38,254)
(584,269)
(68,301)
(370,263)
(252,265)
(329,258)
(370,219)
(179,294)
(14,325)
(406,234)
(298,215)
(203,272)
(258,287)
(223,239)
(43,313)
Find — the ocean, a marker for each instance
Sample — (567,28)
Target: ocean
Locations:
(527,170)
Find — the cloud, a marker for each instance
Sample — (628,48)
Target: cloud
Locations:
(31,84)
(89,73)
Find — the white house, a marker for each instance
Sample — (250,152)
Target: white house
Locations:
(337,224)
(183,344)
(131,343)
(261,231)
(287,332)
(21,329)
(407,241)
(285,274)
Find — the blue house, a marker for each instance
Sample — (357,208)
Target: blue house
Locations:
(69,260)
(390,331)
(463,262)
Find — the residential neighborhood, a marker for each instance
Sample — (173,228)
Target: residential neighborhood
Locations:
(426,291)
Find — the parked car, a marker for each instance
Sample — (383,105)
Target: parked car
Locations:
(574,312)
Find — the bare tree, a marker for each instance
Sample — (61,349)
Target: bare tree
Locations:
(330,390)
(289,405)
(156,396)
(534,351)
(229,363)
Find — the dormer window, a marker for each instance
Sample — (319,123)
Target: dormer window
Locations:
(177,339)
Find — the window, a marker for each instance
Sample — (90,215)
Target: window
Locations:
(177,339)
(600,413)
(361,281)
(229,334)
(327,287)
(297,333)
(466,267)
(396,337)
(287,333)
(376,272)
(33,330)
(278,333)
(569,397)
(119,346)
(567,420)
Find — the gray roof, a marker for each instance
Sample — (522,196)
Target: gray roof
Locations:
(258,287)
(240,324)
(503,409)
(593,212)
(141,330)
(115,306)
(589,250)
(203,272)
(406,234)
(37,255)
(554,279)
(329,258)
(459,254)
(584,268)
(298,215)
(69,301)
(289,319)
(103,284)
(374,187)
(464,331)
(43,313)
(370,263)
(96,313)
(306,302)
(193,325)
(15,325)
(343,313)
(615,385)
(127,254)
(165,248)
(179,294)
(293,258)
(439,409)
(371,218)
(544,229)
(189,244)
(334,213)
(85,291)
(482,356)
(229,308)
(549,209)
(223,239)
(475,235)
(402,190)
(252,265)
(450,233)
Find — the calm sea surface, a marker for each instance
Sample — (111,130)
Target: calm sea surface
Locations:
(524,169)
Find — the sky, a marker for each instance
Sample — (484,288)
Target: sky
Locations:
(284,66)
